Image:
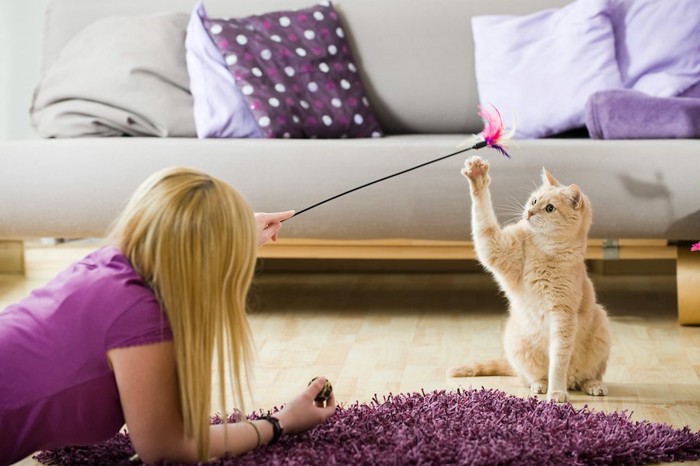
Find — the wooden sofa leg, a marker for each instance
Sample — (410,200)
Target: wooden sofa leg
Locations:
(688,284)
(11,256)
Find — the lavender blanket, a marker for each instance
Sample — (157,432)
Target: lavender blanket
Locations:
(628,114)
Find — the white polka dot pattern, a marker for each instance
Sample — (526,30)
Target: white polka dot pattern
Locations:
(296,73)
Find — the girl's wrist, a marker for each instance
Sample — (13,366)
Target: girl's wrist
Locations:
(257,432)
(277,428)
(285,422)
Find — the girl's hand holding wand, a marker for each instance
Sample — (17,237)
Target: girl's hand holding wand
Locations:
(269,224)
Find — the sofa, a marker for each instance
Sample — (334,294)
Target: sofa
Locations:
(417,63)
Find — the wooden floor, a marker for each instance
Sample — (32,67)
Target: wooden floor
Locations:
(397,331)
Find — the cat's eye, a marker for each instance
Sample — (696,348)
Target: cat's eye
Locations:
(549,208)
(534,200)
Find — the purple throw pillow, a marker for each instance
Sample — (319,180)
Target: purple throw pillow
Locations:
(297,73)
(220,111)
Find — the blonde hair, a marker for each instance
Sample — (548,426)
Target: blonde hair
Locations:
(192,237)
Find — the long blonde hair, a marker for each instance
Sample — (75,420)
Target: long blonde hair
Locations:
(192,237)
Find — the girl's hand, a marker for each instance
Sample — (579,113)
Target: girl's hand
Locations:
(269,224)
(303,413)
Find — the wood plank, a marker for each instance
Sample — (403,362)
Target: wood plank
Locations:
(435,250)
(11,257)
(688,285)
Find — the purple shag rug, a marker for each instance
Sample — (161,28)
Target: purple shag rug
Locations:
(463,427)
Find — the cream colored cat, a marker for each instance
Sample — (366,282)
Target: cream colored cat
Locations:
(557,336)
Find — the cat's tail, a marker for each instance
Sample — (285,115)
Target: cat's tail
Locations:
(492,367)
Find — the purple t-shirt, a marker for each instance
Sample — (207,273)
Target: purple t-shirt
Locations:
(56,385)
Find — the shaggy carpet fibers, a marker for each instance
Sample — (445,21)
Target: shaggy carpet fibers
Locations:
(463,427)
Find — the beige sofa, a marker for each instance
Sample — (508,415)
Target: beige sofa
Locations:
(644,192)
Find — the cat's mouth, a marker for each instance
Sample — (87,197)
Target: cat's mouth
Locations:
(533,221)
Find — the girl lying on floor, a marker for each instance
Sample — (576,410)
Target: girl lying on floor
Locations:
(130,333)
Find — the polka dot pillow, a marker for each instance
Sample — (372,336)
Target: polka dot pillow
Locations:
(296,73)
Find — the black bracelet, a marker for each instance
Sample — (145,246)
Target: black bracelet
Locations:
(277,429)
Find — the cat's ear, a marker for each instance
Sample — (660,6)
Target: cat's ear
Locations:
(548,179)
(575,196)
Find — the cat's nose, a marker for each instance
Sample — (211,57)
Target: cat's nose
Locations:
(529,214)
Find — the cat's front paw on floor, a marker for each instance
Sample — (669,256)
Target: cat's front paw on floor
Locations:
(539,387)
(558,396)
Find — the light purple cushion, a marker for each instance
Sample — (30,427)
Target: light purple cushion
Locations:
(630,114)
(657,44)
(540,69)
(219,108)
(297,73)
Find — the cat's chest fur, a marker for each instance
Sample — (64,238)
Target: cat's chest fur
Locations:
(547,277)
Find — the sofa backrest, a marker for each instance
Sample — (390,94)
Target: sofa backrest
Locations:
(416,56)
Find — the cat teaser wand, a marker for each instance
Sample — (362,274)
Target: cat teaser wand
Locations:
(493,135)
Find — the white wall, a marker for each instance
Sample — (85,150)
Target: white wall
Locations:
(21,37)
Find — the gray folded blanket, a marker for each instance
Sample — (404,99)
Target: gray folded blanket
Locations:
(628,114)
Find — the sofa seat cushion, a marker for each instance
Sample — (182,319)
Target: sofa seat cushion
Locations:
(638,188)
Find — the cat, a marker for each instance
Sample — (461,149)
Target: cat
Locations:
(557,336)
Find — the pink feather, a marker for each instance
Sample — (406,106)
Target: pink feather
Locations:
(494,132)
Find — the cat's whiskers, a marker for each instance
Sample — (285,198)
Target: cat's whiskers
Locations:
(512,220)
(513,212)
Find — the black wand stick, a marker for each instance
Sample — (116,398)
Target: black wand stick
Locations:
(478,145)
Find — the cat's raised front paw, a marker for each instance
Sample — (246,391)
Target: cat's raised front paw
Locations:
(558,396)
(475,167)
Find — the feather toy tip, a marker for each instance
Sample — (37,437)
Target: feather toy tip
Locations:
(494,133)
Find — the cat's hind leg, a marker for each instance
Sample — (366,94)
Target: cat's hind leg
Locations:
(589,362)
